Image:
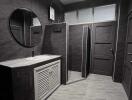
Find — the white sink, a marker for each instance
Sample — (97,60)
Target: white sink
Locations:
(38,58)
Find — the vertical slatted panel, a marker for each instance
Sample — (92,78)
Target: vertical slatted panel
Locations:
(54,77)
(43,83)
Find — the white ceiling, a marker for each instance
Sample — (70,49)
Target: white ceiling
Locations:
(65,2)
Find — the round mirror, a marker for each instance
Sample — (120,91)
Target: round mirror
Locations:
(25,27)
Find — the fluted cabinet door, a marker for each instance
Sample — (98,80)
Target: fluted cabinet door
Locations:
(46,79)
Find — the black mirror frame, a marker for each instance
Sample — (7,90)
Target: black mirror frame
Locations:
(12,33)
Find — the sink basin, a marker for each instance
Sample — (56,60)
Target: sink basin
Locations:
(38,58)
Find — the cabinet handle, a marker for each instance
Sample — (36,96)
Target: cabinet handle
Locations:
(112,51)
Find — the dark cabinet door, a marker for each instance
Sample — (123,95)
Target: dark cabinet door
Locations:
(103,48)
(127,76)
(23,84)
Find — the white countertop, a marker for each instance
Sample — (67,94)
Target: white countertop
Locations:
(28,61)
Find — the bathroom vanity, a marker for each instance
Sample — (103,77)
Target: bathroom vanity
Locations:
(33,78)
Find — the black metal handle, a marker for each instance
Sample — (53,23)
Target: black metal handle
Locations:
(112,51)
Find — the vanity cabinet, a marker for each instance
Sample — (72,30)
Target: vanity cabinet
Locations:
(29,79)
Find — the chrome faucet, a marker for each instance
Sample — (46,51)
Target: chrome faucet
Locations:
(33,52)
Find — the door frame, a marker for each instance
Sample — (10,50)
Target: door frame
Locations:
(86,36)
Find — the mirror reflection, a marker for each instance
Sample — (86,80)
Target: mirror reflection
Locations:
(25,27)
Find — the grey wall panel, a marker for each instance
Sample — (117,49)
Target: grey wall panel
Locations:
(121,37)
(9,49)
(56,42)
